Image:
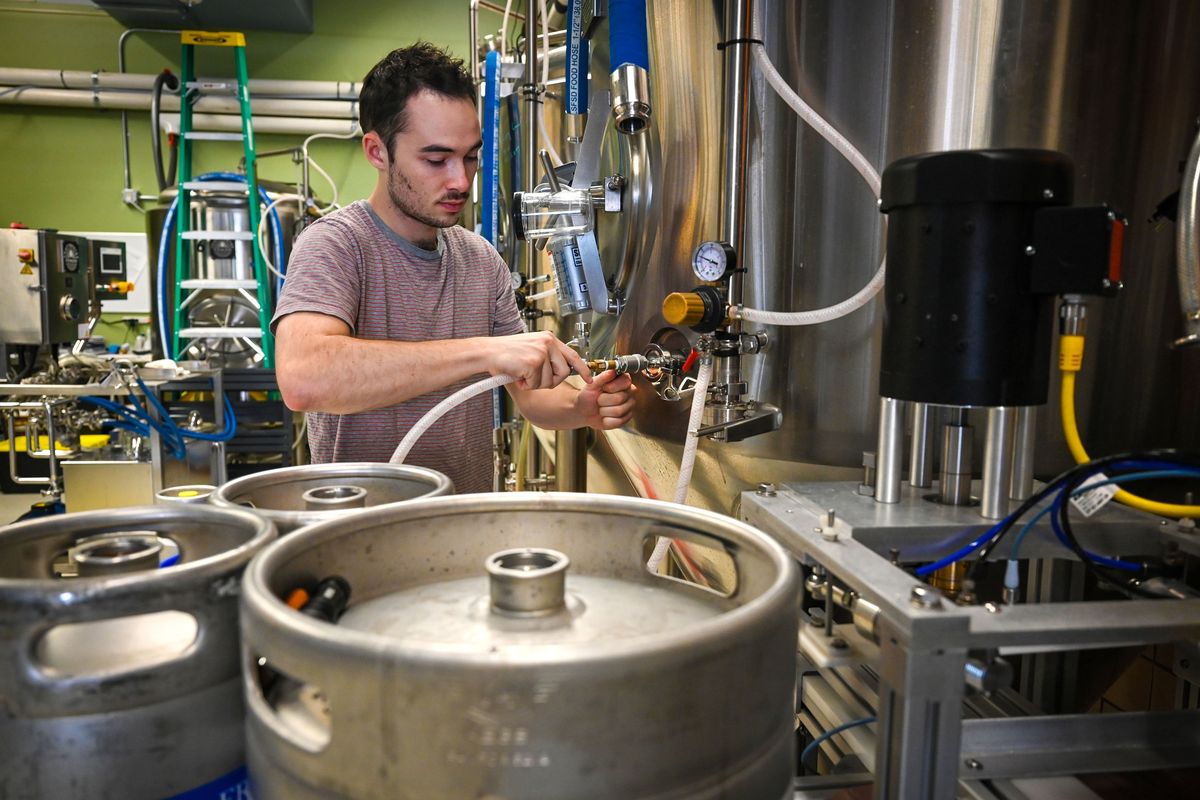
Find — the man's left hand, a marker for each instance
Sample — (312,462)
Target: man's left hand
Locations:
(606,402)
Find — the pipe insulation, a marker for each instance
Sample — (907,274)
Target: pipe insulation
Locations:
(688,461)
(82,79)
(1187,247)
(141,101)
(298,126)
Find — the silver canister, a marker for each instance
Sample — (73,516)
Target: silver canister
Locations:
(515,645)
(293,497)
(119,666)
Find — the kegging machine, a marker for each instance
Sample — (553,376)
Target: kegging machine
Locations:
(979,244)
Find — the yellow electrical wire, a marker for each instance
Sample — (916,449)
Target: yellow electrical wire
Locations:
(1070,359)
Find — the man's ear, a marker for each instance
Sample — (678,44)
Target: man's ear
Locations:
(375,150)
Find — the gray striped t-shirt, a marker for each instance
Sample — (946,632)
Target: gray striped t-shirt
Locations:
(352,266)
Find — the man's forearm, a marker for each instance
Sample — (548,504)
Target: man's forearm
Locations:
(551,409)
(345,375)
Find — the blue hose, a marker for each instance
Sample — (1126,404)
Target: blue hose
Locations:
(628,41)
(490,175)
(577,60)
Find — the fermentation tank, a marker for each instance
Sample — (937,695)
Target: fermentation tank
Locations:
(1113,86)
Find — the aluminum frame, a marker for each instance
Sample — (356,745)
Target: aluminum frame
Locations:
(924,747)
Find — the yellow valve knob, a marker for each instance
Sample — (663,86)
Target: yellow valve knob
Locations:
(683,308)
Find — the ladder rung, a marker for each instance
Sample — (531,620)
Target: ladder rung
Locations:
(245,235)
(212,85)
(213,136)
(221,333)
(215,186)
(218,283)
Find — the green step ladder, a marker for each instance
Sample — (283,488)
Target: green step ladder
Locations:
(185,239)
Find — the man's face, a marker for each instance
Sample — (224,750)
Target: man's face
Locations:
(434,159)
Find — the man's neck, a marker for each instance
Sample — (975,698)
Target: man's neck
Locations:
(404,226)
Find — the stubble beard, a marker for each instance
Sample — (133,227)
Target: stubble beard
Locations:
(402,195)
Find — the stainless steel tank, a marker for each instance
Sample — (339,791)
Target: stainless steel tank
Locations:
(293,497)
(1115,86)
(464,668)
(119,674)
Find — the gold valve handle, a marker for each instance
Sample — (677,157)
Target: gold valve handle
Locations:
(683,308)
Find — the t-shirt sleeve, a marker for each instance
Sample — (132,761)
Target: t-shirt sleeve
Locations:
(323,275)
(507,319)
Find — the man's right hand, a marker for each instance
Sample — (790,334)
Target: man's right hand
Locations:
(537,360)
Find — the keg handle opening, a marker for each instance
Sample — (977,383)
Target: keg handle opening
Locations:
(693,559)
(298,712)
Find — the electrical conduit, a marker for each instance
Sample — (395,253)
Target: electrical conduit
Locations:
(688,462)
(850,153)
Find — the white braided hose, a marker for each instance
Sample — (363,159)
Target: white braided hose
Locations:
(436,413)
(851,154)
(689,455)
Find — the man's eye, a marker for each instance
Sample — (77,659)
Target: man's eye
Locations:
(435,163)
(472,159)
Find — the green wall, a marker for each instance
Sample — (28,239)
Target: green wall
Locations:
(62,167)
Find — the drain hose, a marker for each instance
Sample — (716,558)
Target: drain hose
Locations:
(689,455)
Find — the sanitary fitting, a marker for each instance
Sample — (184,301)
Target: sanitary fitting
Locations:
(631,98)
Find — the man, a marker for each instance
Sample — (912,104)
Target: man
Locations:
(389,306)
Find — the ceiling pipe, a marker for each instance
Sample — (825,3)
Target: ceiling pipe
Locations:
(99,79)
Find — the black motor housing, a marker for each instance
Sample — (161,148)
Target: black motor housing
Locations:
(962,324)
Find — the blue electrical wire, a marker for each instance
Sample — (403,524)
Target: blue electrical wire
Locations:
(987,536)
(1127,478)
(815,743)
(965,550)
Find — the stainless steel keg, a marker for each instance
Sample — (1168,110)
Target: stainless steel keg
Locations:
(515,646)
(293,497)
(119,653)
(190,493)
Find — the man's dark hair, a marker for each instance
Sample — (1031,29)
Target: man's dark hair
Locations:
(400,75)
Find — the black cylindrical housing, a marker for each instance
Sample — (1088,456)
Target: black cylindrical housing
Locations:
(961,325)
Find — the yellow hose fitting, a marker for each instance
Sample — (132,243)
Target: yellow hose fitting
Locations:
(1070,353)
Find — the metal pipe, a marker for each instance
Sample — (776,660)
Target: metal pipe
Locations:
(920,457)
(732,218)
(128,187)
(141,101)
(500,10)
(1187,248)
(954,484)
(473,42)
(1022,471)
(890,451)
(997,461)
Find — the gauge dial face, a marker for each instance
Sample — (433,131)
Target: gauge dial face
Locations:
(713,261)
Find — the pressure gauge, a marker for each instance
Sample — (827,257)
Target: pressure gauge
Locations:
(713,261)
